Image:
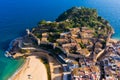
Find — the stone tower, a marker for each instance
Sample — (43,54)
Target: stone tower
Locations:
(28,31)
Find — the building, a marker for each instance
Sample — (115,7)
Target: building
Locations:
(86,73)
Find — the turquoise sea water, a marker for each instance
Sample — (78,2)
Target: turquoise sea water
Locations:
(17,15)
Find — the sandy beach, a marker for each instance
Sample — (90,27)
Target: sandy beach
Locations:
(113,40)
(33,69)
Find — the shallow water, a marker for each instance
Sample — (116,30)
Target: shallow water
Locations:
(17,15)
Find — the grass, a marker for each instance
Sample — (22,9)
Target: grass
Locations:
(46,63)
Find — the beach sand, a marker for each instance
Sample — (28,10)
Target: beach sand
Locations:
(33,69)
(114,40)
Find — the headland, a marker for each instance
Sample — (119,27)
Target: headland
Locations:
(80,42)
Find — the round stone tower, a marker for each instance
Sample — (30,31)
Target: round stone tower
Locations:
(28,31)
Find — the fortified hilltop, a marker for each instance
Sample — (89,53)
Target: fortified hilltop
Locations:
(79,39)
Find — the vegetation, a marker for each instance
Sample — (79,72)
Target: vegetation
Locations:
(24,51)
(77,15)
(53,37)
(104,44)
(72,18)
(82,45)
(58,51)
(46,63)
(42,22)
(80,17)
(38,35)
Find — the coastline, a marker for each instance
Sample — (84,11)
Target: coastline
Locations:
(24,72)
(32,66)
(11,26)
(113,40)
(17,71)
(24,65)
(111,37)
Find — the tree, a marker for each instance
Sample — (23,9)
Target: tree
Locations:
(42,22)
(99,18)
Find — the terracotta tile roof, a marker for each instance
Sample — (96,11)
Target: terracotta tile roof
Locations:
(69,45)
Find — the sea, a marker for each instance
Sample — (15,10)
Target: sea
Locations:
(18,15)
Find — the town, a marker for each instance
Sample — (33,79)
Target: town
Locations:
(83,52)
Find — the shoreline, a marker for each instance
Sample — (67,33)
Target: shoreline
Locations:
(17,71)
(31,64)
(27,61)
(114,40)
